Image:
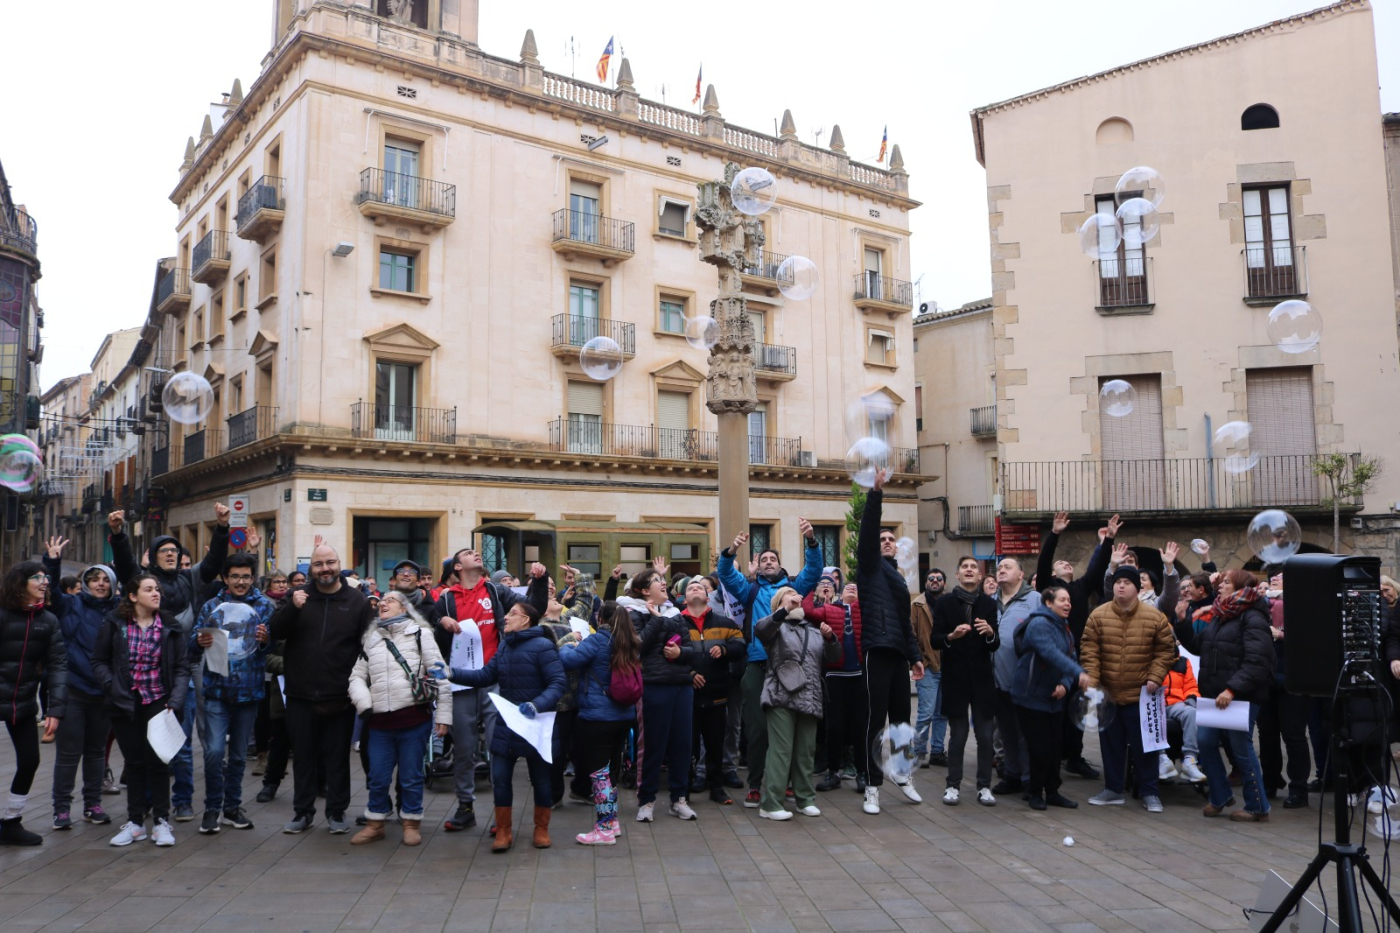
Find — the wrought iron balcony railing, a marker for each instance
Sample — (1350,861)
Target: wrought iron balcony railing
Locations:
(160,461)
(251,424)
(772,358)
(766,267)
(984,421)
(871,286)
(976,520)
(19,231)
(202,445)
(587,229)
(1273,273)
(403,423)
(605,439)
(1124,283)
(265,195)
(407,191)
(212,248)
(175,285)
(574,330)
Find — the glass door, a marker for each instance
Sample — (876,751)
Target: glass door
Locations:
(583,314)
(401,173)
(393,401)
(584,199)
(758,435)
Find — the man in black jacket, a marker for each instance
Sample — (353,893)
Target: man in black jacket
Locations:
(887,638)
(322,625)
(964,629)
(1081,591)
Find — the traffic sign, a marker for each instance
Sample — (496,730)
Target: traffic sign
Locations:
(238,512)
(238,537)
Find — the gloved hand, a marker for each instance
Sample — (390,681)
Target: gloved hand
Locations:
(528,710)
(439,670)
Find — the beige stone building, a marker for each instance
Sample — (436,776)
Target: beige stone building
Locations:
(390,252)
(63,433)
(1274,189)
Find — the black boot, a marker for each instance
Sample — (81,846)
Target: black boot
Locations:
(268,792)
(831,782)
(13,833)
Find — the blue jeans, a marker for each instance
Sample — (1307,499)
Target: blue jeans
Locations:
(932,726)
(503,770)
(404,749)
(1121,739)
(1242,747)
(182,765)
(227,728)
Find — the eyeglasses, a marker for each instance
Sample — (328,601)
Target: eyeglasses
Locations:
(168,550)
(406,572)
(39,578)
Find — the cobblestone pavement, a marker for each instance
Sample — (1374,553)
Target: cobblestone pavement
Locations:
(929,867)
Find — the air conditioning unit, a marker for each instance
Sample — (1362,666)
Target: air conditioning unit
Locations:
(807,458)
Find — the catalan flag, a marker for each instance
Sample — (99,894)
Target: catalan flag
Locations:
(698,77)
(603,63)
(884,140)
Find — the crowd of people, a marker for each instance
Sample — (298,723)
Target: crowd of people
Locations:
(801,679)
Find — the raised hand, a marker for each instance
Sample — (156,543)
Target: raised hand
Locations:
(616,572)
(254,540)
(221,514)
(1060,523)
(1169,553)
(115,521)
(741,539)
(537,570)
(882,476)
(56,545)
(1114,523)
(804,528)
(1120,554)
(317,541)
(659,564)
(753,566)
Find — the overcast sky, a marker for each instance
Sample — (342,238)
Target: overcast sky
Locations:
(96,117)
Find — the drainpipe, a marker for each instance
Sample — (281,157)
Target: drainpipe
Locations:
(1210,462)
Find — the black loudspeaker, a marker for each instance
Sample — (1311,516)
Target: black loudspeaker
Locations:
(1331,619)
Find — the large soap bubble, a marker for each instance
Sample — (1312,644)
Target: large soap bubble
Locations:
(1117,398)
(797,278)
(188,398)
(600,359)
(867,456)
(1100,235)
(1093,711)
(701,332)
(20,469)
(1139,220)
(1201,546)
(894,752)
(10,442)
(1142,181)
(865,411)
(1274,536)
(240,622)
(906,554)
(753,191)
(1233,446)
(1295,326)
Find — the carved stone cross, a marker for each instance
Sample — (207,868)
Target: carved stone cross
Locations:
(731,241)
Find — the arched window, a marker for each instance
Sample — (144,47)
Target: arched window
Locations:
(1259,117)
(1114,130)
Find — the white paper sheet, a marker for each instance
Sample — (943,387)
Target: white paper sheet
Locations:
(216,655)
(1152,713)
(581,627)
(1234,717)
(539,731)
(282,688)
(467,652)
(165,734)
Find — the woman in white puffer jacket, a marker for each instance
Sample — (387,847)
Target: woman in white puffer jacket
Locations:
(398,724)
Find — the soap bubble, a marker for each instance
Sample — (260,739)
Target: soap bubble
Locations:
(1232,445)
(866,410)
(753,191)
(1274,536)
(1100,235)
(1200,546)
(1141,182)
(865,457)
(1069,840)
(20,469)
(240,622)
(1139,220)
(1093,711)
(894,752)
(797,278)
(701,332)
(10,442)
(600,359)
(1117,398)
(906,554)
(1295,326)
(188,398)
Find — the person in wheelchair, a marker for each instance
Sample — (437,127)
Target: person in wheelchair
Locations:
(1182,693)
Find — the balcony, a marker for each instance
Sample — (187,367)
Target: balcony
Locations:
(984,421)
(875,292)
(638,440)
(763,274)
(261,209)
(19,232)
(391,197)
(1162,487)
(211,258)
(1274,273)
(572,331)
(579,233)
(160,461)
(202,445)
(403,423)
(1124,286)
(775,363)
(251,424)
(173,292)
(978,520)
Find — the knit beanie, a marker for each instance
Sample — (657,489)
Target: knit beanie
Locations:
(1131,574)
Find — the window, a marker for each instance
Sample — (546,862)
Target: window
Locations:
(829,540)
(584,200)
(671,314)
(493,552)
(880,347)
(180,341)
(918,408)
(584,301)
(198,335)
(1133,449)
(267,280)
(1122,271)
(634,558)
(235,395)
(216,317)
(1259,117)
(1268,243)
(760,539)
(585,421)
(272,159)
(264,384)
(1280,406)
(394,406)
(673,436)
(874,263)
(674,217)
(412,14)
(397,271)
(587,558)
(401,159)
(240,296)
(758,434)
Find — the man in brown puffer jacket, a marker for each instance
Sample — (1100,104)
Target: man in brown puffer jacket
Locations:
(1127,645)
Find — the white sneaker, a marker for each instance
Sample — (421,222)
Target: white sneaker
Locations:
(951,796)
(778,815)
(644,812)
(1192,771)
(681,808)
(1376,804)
(1165,769)
(809,811)
(162,834)
(129,833)
(985,798)
(907,789)
(872,800)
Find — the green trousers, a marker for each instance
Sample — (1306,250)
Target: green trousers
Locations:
(792,741)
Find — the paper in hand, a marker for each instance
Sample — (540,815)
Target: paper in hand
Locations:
(216,655)
(165,734)
(1233,718)
(1152,716)
(539,731)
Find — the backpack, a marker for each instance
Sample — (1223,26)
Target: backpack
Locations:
(625,689)
(1018,638)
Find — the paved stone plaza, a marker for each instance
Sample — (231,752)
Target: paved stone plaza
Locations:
(924,868)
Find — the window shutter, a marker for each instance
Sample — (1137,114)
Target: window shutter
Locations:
(1285,435)
(585,398)
(1133,450)
(585,189)
(673,410)
(673,218)
(872,260)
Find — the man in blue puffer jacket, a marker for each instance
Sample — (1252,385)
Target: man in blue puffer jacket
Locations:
(231,702)
(82,732)
(771,578)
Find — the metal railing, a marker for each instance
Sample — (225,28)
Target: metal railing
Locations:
(775,451)
(19,231)
(594,229)
(213,247)
(984,421)
(410,191)
(1161,485)
(605,439)
(403,423)
(251,424)
(1275,271)
(202,445)
(904,459)
(1124,283)
(176,282)
(773,358)
(160,461)
(976,520)
(265,195)
(766,267)
(574,330)
(871,286)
